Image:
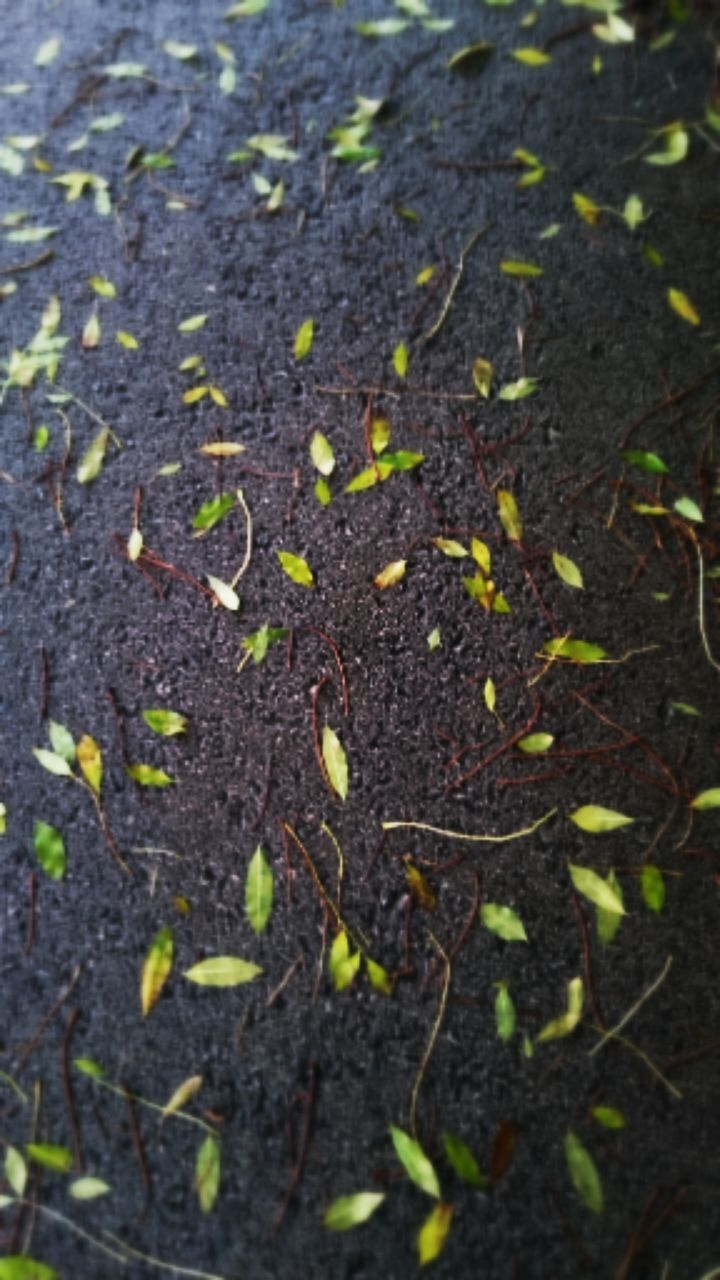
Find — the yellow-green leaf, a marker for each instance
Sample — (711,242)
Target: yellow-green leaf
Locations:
(195,394)
(503,922)
(390,575)
(482,374)
(589,211)
(481,555)
(535,743)
(61,741)
(583,1173)
(608,1117)
(380,432)
(709,799)
(463,1161)
(147,776)
(166,723)
(415,1162)
(510,517)
(105,288)
(15,1170)
(608,922)
(192,324)
(92,460)
(450,547)
(676,144)
(682,306)
(470,56)
(433,1233)
(490,695)
(89,757)
(321,452)
(88,1188)
(380,979)
(156,969)
(401,360)
(342,963)
(258,890)
(531,57)
(296,568)
(304,339)
(595,889)
(567,1022)
(512,267)
(50,1156)
(222,971)
(335,761)
(135,544)
(207,1173)
(181,1095)
(596,819)
(653,887)
(574,650)
(351,1211)
(566,569)
(505,1018)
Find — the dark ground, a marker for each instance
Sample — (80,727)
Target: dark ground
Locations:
(606,346)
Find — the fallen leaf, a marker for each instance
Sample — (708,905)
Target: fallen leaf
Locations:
(583,1173)
(258,890)
(296,568)
(156,969)
(335,762)
(207,1173)
(433,1233)
(415,1162)
(503,922)
(222,971)
(304,339)
(596,819)
(351,1211)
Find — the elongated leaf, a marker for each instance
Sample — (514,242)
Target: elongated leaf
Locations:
(566,569)
(382,27)
(181,1095)
(510,517)
(653,887)
(335,762)
(574,650)
(351,1211)
(535,743)
(450,547)
(511,267)
(589,211)
(689,509)
(321,452)
(296,568)
(531,57)
(92,333)
(222,971)
(210,513)
(583,1173)
(61,741)
(207,1173)
(415,1162)
(595,889)
(505,1019)
(50,849)
(463,1161)
(88,1188)
(89,757)
(156,969)
(380,979)
(20,1267)
(707,799)
(608,922)
(260,641)
(50,1156)
(676,144)
(226,595)
(342,963)
(304,339)
(609,1117)
(192,323)
(147,776)
(645,461)
(258,890)
(470,56)
(166,723)
(433,1233)
(401,360)
(503,922)
(567,1022)
(89,1067)
(519,390)
(92,460)
(15,1170)
(596,819)
(390,575)
(54,763)
(682,306)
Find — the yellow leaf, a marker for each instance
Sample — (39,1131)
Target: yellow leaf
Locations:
(181,1095)
(513,267)
(682,305)
(425,276)
(304,339)
(126,340)
(91,333)
(588,210)
(401,360)
(531,57)
(89,757)
(510,517)
(222,449)
(391,574)
(155,970)
(433,1233)
(218,397)
(482,372)
(194,394)
(481,554)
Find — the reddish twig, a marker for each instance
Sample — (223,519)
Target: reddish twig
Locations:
(308,1102)
(317,745)
(586,960)
(338,662)
(504,746)
(139,1152)
(68,1090)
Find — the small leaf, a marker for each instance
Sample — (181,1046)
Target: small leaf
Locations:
(567,1022)
(608,922)
(608,1117)
(536,743)
(181,1095)
(343,964)
(321,452)
(566,569)
(425,276)
(351,1211)
(88,1188)
(258,890)
(222,448)
(633,213)
(645,461)
(481,554)
(177,49)
(296,568)
(682,306)
(574,650)
(420,887)
(382,27)
(52,762)
(105,288)
(401,360)
(519,390)
(48,52)
(505,1019)
(470,56)
(210,513)
(222,971)
(380,979)
(433,1233)
(707,799)
(50,849)
(192,324)
(450,547)
(380,432)
(304,339)
(434,639)
(510,517)
(260,641)
(92,460)
(415,1162)
(503,922)
(147,776)
(195,394)
(135,545)
(583,1173)
(653,887)
(688,509)
(589,211)
(20,1267)
(512,267)
(207,1173)
(595,889)
(89,757)
(50,1156)
(166,723)
(335,762)
(490,695)
(15,1170)
(156,969)
(482,375)
(595,819)
(61,741)
(390,575)
(224,593)
(463,1161)
(677,143)
(89,1067)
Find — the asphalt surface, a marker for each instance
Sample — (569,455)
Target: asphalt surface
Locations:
(301,1086)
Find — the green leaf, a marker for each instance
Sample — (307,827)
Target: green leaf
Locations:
(688,509)
(322,491)
(503,922)
(166,723)
(88,1188)
(536,743)
(566,569)
(192,323)
(470,56)
(583,1173)
(685,708)
(343,964)
(177,49)
(531,57)
(351,1211)
(52,762)
(105,288)
(505,1019)
(595,819)
(210,513)
(645,461)
(61,741)
(433,1233)
(260,641)
(608,922)
(676,147)
(50,850)
(653,887)
(321,452)
(50,1156)
(707,799)
(89,1067)
(296,568)
(633,212)
(22,1268)
(304,339)
(15,1170)
(509,514)
(463,1161)
(382,27)
(390,575)
(184,1092)
(156,969)
(415,1162)
(335,761)
(519,390)
(482,375)
(259,890)
(608,1117)
(595,889)
(222,971)
(207,1173)
(574,650)
(147,776)
(567,1022)
(92,460)
(380,432)
(401,360)
(511,267)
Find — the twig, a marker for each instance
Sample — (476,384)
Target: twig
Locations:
(13,558)
(28,266)
(435,1031)
(407,390)
(435,328)
(139,1151)
(317,746)
(338,662)
(248,539)
(701,606)
(634,1009)
(308,1100)
(47,1019)
(461,835)
(586,958)
(69,1092)
(278,990)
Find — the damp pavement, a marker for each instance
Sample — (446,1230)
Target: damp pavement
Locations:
(170,204)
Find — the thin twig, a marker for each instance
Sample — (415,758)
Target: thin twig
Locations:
(634,1008)
(308,1100)
(462,835)
(69,1092)
(139,1152)
(44,1022)
(435,1031)
(439,322)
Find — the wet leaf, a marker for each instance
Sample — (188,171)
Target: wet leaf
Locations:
(335,761)
(304,339)
(536,743)
(595,889)
(433,1233)
(380,979)
(510,517)
(181,1095)
(88,1188)
(351,1211)
(166,723)
(156,969)
(608,1117)
(390,575)
(192,323)
(222,971)
(505,1019)
(50,850)
(61,741)
(260,641)
(207,1173)
(342,963)
(89,757)
(212,512)
(415,1162)
(608,922)
(470,56)
(574,650)
(566,569)
(258,890)
(463,1161)
(296,568)
(645,461)
(401,360)
(321,452)
(146,775)
(92,460)
(503,922)
(567,1022)
(482,375)
(519,390)
(15,1170)
(513,267)
(688,509)
(706,799)
(596,819)
(52,762)
(20,1267)
(50,1156)
(653,887)
(588,210)
(224,593)
(583,1173)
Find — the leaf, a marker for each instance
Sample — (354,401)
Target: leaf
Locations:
(433,1233)
(304,339)
(88,1188)
(583,1173)
(335,761)
(181,1095)
(343,964)
(296,568)
(450,547)
(104,124)
(48,52)
(166,723)
(246,9)
(415,1162)
(222,971)
(380,432)
(510,517)
(595,889)
(15,1170)
(222,448)
(322,455)
(92,460)
(135,544)
(482,375)
(595,819)
(566,569)
(156,969)
(503,922)
(608,1117)
(682,306)
(105,288)
(645,461)
(574,650)
(390,575)
(210,513)
(401,360)
(588,210)
(519,390)
(260,641)
(147,776)
(192,323)
(50,849)
(61,741)
(490,695)
(258,890)
(177,49)
(89,757)
(536,743)
(463,1161)
(351,1211)
(470,56)
(502,1148)
(633,213)
(420,887)
(52,762)
(688,509)
(218,397)
(195,394)
(89,1067)
(207,1173)
(50,1156)
(380,979)
(20,1267)
(382,27)
(125,70)
(685,708)
(608,922)
(677,143)
(567,1022)
(653,887)
(226,595)
(512,267)
(706,799)
(505,1019)
(481,554)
